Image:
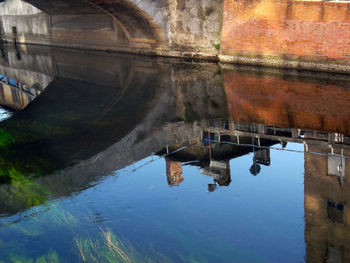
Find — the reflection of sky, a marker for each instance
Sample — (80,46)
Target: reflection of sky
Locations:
(4,114)
(255,219)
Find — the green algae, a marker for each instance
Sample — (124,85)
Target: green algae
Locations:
(5,139)
(50,257)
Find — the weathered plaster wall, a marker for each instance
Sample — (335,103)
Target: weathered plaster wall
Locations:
(31,28)
(157,10)
(273,31)
(32,24)
(195,25)
(94,31)
(61,26)
(16,7)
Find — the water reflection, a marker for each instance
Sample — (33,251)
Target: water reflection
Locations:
(326,158)
(93,115)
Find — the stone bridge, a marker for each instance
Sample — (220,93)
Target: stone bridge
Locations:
(275,33)
(172,28)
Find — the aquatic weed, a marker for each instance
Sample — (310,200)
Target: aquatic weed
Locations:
(108,248)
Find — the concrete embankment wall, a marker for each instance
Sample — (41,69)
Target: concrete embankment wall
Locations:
(92,29)
(287,33)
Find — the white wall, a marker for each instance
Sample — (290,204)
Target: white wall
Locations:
(17,7)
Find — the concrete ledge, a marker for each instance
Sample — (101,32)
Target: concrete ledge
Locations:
(288,63)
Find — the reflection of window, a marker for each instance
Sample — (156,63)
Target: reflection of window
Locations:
(335,211)
(333,254)
(262,156)
(14,33)
(15,96)
(2,93)
(336,165)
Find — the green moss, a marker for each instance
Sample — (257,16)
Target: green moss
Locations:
(5,139)
(217,46)
(50,257)
(23,193)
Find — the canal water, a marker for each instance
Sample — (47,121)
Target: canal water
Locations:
(109,157)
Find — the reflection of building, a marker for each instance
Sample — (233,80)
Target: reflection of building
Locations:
(327,200)
(220,172)
(310,103)
(173,172)
(14,97)
(15,94)
(327,182)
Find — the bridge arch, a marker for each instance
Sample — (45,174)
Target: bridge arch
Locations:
(136,26)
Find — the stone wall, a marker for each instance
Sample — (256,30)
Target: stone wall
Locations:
(195,25)
(288,33)
(274,31)
(16,7)
(166,27)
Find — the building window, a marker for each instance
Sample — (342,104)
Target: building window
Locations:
(335,211)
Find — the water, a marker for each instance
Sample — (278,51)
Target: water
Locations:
(4,114)
(117,158)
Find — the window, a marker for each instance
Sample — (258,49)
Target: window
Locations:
(335,211)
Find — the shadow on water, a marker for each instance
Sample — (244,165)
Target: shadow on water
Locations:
(93,102)
(82,116)
(76,118)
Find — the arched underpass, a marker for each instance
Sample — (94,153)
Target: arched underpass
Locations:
(122,22)
(171,28)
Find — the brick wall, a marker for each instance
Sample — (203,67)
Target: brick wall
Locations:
(287,29)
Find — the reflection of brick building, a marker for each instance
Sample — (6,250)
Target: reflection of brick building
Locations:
(327,201)
(173,172)
(13,97)
(313,105)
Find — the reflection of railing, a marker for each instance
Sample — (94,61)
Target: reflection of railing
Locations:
(220,131)
(334,146)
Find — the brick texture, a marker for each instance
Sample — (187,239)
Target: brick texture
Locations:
(297,29)
(270,100)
